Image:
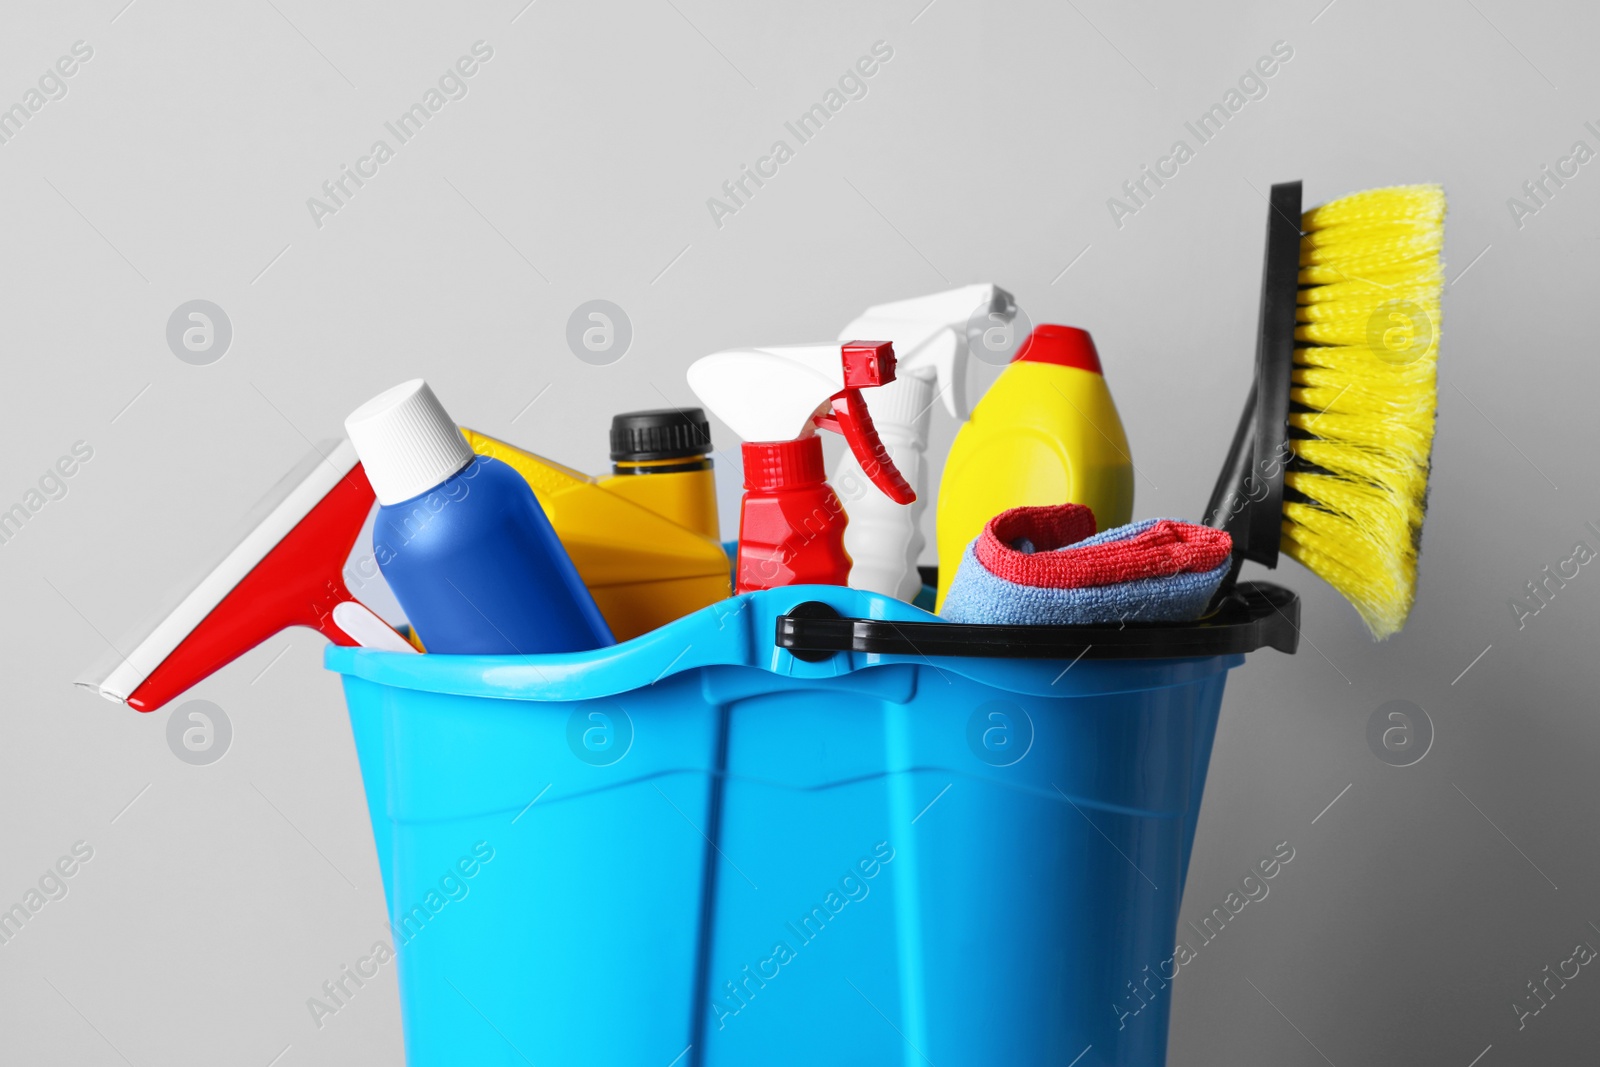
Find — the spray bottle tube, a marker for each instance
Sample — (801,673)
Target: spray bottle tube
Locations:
(791,523)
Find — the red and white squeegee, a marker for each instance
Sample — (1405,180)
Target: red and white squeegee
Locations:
(288,570)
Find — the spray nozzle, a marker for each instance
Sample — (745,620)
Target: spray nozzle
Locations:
(931,333)
(787,393)
(866,364)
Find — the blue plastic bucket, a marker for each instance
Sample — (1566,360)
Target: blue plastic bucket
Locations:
(803,826)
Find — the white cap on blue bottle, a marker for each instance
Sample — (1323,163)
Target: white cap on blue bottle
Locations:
(407,442)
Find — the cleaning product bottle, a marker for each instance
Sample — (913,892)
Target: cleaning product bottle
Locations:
(791,523)
(930,340)
(461,539)
(661,460)
(644,543)
(1047,432)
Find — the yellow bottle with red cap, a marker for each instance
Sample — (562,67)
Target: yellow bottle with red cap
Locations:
(1046,432)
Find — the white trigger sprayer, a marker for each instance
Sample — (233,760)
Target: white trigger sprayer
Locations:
(929,334)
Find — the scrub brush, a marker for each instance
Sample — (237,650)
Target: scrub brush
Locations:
(1330,462)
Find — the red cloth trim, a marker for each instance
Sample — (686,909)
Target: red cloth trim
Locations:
(1165,549)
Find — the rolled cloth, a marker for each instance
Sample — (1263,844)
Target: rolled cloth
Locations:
(1047,566)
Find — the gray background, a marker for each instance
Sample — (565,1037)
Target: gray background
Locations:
(178,165)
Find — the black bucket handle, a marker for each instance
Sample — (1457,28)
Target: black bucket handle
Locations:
(1255,615)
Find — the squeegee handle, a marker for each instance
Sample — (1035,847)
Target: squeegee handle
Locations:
(352,623)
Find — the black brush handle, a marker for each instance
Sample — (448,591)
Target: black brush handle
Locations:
(1230,496)
(1280,290)
(1248,498)
(1230,503)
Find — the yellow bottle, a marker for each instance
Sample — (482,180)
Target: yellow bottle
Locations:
(660,460)
(1046,432)
(644,539)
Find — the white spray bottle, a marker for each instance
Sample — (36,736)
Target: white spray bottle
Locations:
(929,334)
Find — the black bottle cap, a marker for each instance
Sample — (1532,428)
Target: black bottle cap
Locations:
(666,433)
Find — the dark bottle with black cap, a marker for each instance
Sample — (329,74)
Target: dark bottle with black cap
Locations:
(661,460)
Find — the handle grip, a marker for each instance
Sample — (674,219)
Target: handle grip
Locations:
(1257,615)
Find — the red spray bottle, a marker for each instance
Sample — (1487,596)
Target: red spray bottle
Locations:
(791,523)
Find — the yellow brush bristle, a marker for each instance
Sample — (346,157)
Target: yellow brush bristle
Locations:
(1364,389)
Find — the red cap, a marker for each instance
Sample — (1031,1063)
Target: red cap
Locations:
(1065,346)
(772,465)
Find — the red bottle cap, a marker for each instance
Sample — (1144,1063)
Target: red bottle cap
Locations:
(1065,346)
(783,464)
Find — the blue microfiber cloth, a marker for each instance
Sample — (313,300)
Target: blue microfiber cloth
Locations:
(1047,566)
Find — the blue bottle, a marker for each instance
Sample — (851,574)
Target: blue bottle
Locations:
(461,539)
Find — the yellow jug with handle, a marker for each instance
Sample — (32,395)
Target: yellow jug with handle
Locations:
(644,538)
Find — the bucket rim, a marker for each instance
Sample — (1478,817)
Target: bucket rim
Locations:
(748,633)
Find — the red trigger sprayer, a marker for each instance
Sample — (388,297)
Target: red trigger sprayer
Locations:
(791,523)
